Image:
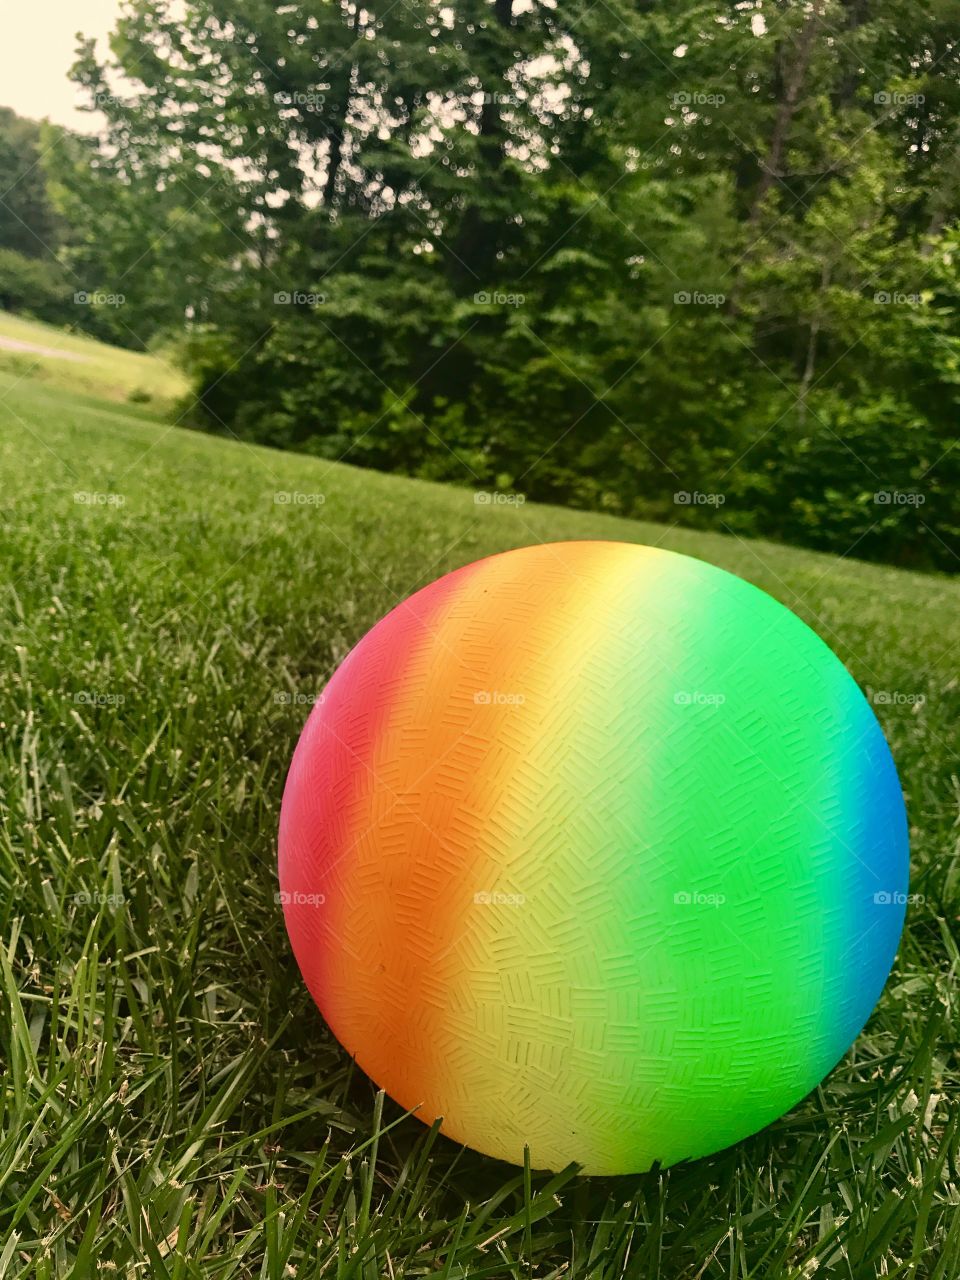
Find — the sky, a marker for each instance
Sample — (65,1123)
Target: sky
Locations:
(37,48)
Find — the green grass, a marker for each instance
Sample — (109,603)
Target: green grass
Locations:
(92,367)
(173,1104)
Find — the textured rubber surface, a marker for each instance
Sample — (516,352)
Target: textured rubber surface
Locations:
(596,848)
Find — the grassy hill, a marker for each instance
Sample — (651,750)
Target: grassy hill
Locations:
(173,1105)
(82,365)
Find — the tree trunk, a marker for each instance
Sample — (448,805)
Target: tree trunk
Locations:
(858,12)
(811,363)
(772,167)
(475,246)
(338,132)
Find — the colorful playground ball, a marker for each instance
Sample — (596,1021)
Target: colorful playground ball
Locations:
(595,849)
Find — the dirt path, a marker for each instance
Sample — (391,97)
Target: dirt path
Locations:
(36,349)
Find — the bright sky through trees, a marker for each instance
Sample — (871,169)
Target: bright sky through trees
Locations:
(37,50)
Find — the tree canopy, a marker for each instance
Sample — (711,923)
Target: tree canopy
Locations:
(695,261)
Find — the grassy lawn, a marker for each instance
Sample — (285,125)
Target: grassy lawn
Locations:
(173,1104)
(86,366)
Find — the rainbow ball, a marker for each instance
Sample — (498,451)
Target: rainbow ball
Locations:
(595,849)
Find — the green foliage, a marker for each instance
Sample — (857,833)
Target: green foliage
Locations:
(28,222)
(34,285)
(723,238)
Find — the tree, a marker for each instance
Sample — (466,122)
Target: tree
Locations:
(608,254)
(28,222)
